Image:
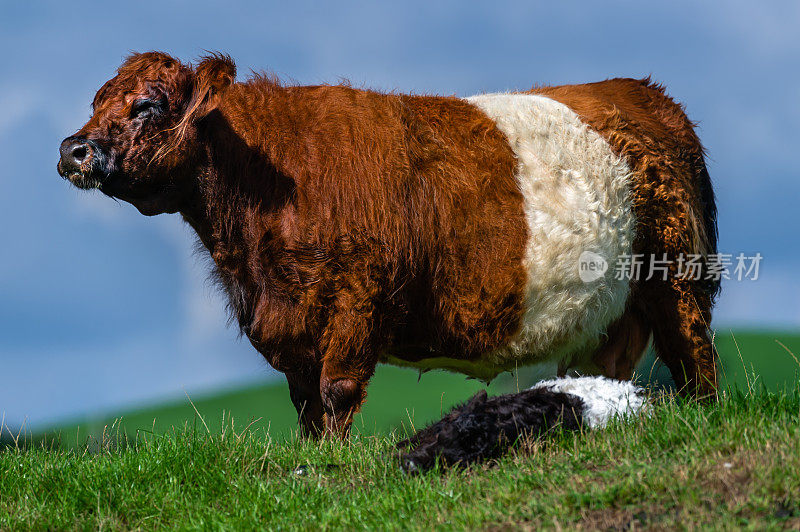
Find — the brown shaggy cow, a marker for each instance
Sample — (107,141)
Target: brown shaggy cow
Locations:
(350,227)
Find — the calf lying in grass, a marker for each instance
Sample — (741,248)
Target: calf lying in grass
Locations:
(484,428)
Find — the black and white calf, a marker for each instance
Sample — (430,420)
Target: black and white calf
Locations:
(484,427)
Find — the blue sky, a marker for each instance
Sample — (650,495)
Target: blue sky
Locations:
(101,307)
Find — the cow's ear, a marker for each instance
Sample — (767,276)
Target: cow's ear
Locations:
(212,76)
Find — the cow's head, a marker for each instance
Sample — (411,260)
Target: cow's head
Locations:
(141,144)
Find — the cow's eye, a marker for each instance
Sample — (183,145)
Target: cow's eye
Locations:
(145,107)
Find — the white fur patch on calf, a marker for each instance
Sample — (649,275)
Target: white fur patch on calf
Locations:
(577,203)
(602,397)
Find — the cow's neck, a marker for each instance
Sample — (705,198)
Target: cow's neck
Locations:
(237,210)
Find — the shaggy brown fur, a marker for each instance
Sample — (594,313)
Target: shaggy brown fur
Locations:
(346,224)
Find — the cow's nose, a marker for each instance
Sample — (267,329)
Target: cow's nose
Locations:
(75,154)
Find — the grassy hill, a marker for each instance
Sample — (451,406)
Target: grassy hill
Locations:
(753,357)
(727,465)
(400,397)
(230,461)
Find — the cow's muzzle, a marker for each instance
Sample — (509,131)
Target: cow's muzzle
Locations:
(81,162)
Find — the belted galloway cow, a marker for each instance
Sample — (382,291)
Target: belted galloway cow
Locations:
(351,227)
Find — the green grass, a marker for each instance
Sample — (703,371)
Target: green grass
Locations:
(752,358)
(396,397)
(229,461)
(735,463)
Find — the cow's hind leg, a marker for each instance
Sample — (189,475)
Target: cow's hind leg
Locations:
(625,342)
(680,311)
(677,232)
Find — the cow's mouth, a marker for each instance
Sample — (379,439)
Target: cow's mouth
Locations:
(85,181)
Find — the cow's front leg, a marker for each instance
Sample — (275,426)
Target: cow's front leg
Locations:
(348,364)
(342,398)
(304,390)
